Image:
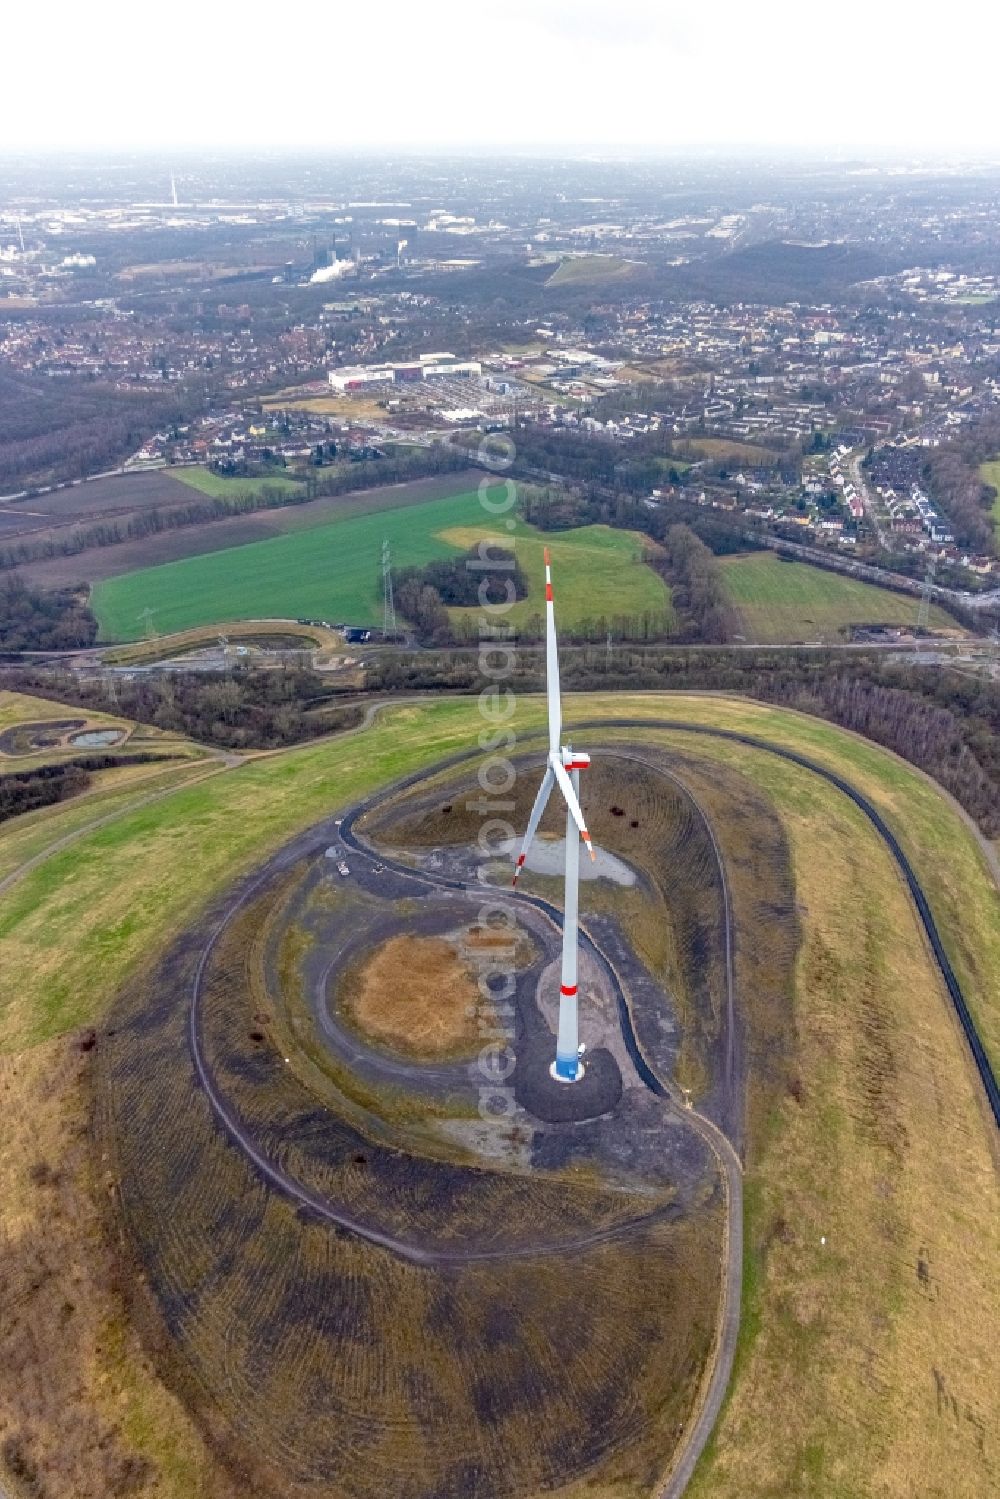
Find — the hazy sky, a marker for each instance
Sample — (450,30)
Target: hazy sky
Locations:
(454,73)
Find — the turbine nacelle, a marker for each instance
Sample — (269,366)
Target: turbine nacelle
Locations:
(563,764)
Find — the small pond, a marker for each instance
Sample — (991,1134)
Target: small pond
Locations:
(96,738)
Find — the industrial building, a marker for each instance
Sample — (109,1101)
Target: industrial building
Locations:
(427,367)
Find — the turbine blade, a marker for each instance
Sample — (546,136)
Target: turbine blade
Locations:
(541,801)
(576,812)
(551,662)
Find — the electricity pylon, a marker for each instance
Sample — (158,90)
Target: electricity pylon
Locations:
(388,603)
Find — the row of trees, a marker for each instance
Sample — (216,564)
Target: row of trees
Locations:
(41,786)
(697,587)
(945,722)
(955,482)
(418,464)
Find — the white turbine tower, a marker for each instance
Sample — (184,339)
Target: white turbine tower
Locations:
(563,770)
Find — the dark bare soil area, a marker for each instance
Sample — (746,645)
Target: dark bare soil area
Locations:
(212,536)
(119,494)
(320,1346)
(642,804)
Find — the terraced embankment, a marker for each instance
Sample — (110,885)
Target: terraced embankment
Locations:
(870,1304)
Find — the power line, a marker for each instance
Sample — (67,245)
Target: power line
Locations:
(388,602)
(924,612)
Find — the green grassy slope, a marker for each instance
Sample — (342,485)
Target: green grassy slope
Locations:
(991,473)
(206,481)
(597,573)
(780,601)
(73,926)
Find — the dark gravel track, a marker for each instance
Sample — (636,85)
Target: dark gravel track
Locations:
(972,1036)
(701,1429)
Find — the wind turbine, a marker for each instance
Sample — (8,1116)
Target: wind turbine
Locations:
(562,770)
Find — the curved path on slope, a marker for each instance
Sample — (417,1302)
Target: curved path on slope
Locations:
(725,1348)
(705,1421)
(429,1254)
(729,1329)
(979,1055)
(100,822)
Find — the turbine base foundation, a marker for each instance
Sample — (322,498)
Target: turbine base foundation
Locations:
(565,1076)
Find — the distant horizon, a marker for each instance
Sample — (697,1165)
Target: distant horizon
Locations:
(838,155)
(639,77)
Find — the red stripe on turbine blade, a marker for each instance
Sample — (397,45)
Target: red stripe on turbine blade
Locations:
(547,557)
(521,859)
(548,593)
(567,989)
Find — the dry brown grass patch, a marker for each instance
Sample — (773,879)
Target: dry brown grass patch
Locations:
(417,995)
(82,1412)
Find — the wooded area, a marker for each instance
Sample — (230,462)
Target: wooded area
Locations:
(939,719)
(32,620)
(243,709)
(955,482)
(43,785)
(55,430)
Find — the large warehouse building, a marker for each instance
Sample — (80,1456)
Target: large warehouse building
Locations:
(427,367)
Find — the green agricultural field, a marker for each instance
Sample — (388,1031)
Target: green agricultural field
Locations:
(327,572)
(206,481)
(991,473)
(792,601)
(598,573)
(332,572)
